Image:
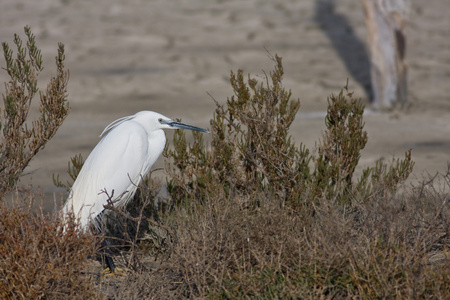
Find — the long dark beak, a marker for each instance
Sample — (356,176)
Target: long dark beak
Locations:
(180,125)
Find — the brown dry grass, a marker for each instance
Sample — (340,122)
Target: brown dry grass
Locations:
(39,261)
(389,247)
(394,247)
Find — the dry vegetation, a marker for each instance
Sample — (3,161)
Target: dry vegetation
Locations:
(39,261)
(394,247)
(253,215)
(21,141)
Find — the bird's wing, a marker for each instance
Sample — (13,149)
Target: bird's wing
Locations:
(113,168)
(116,123)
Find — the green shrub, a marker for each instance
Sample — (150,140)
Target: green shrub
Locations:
(252,150)
(21,141)
(258,217)
(339,152)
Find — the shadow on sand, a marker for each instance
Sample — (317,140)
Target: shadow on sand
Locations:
(349,47)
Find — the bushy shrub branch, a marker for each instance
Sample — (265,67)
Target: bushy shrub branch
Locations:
(252,150)
(21,141)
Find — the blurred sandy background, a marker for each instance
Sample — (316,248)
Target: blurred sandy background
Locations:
(128,56)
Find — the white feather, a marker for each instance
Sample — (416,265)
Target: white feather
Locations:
(123,157)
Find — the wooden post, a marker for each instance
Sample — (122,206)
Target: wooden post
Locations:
(385,21)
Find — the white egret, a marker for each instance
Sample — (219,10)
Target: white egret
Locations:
(128,149)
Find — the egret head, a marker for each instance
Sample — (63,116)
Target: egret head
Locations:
(158,121)
(151,121)
(171,124)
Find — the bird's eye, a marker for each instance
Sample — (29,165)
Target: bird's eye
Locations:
(160,120)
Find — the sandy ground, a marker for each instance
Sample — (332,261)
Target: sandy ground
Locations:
(128,56)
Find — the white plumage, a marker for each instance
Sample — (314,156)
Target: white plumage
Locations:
(128,149)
